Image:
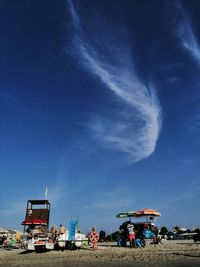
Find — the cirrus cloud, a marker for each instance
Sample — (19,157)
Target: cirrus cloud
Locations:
(186,33)
(135,128)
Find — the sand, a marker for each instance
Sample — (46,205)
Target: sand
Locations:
(171,253)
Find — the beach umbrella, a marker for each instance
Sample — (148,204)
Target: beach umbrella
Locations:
(126,214)
(139,213)
(147,212)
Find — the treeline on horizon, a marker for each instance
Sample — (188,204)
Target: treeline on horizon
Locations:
(163,231)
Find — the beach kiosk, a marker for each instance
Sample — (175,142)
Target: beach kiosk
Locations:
(144,228)
(36,225)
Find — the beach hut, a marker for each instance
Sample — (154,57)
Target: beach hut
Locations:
(3,231)
(144,229)
(196,228)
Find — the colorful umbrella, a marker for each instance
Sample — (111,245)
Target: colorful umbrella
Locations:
(147,212)
(139,213)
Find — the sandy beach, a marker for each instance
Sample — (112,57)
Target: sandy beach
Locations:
(171,253)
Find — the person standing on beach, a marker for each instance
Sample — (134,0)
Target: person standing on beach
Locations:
(94,238)
(53,232)
(131,234)
(62,229)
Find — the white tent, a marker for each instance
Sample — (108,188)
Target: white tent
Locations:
(183,229)
(3,230)
(196,228)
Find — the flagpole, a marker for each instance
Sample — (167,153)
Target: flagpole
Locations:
(46,193)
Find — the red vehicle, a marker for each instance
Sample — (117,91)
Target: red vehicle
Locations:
(36,225)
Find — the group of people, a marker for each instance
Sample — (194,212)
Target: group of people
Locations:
(93,235)
(135,238)
(56,232)
(36,231)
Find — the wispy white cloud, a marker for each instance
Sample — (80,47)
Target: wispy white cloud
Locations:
(180,197)
(186,33)
(134,131)
(111,201)
(5,96)
(185,162)
(16,102)
(13,209)
(57,193)
(171,72)
(173,79)
(193,123)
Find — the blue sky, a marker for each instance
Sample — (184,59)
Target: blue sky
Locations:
(100,103)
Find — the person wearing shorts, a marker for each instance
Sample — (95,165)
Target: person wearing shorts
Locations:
(131,234)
